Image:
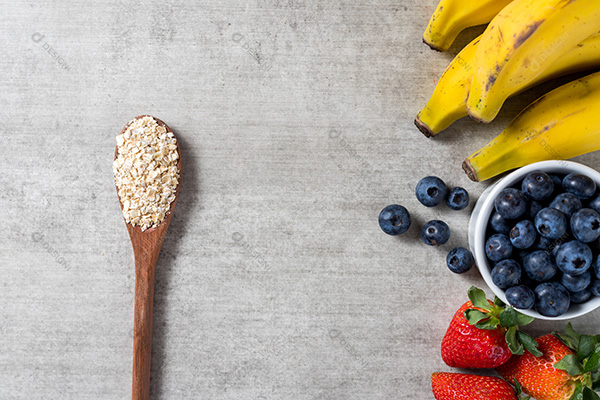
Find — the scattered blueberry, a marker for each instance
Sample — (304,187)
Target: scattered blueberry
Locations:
(435,233)
(394,219)
(595,287)
(552,299)
(498,247)
(459,260)
(594,203)
(576,283)
(551,223)
(523,234)
(539,266)
(458,198)
(532,209)
(510,203)
(566,203)
(585,225)
(580,297)
(537,185)
(520,297)
(499,224)
(580,185)
(506,273)
(431,191)
(574,258)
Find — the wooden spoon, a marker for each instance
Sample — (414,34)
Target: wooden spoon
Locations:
(146,248)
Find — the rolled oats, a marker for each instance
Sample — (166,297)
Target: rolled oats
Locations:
(146,172)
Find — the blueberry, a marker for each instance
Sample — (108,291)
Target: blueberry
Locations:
(595,288)
(435,233)
(431,191)
(537,185)
(523,235)
(557,180)
(576,283)
(580,297)
(580,185)
(574,258)
(394,219)
(458,198)
(510,203)
(499,224)
(596,266)
(520,297)
(539,266)
(585,225)
(551,223)
(532,209)
(566,203)
(498,247)
(506,273)
(594,203)
(521,254)
(459,260)
(542,243)
(552,299)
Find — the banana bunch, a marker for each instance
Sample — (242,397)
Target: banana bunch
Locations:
(526,42)
(448,103)
(562,124)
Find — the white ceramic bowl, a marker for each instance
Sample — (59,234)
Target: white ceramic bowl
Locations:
(483,210)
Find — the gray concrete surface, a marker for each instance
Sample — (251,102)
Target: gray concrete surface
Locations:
(275,282)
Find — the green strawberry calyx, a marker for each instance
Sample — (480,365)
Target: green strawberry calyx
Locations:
(584,365)
(490,316)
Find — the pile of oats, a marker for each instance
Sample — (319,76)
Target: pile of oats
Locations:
(146,172)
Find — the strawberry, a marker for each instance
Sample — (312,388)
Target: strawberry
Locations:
(452,386)
(566,369)
(484,334)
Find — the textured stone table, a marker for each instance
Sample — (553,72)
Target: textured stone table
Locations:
(275,282)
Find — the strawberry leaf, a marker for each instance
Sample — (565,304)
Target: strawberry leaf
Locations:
(571,364)
(589,394)
(477,297)
(578,393)
(508,317)
(498,302)
(595,378)
(529,343)
(474,316)
(513,343)
(593,362)
(569,341)
(523,319)
(586,346)
(489,324)
(519,391)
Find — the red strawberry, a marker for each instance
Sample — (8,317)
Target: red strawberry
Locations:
(538,376)
(451,386)
(478,333)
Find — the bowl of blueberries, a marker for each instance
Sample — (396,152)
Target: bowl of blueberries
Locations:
(535,236)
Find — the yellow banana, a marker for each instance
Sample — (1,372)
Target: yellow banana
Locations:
(452,16)
(562,124)
(448,103)
(523,40)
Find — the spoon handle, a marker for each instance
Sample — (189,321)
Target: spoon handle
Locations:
(145,268)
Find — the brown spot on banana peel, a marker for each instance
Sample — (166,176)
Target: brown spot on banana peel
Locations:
(526,33)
